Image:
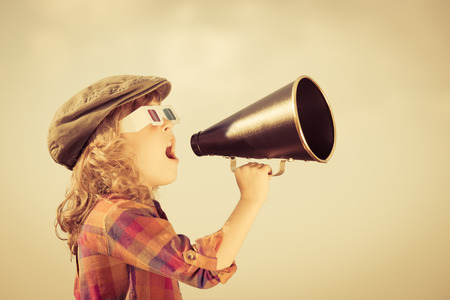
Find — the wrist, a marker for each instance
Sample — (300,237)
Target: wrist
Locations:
(253,198)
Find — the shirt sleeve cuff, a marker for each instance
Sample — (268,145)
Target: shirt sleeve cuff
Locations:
(204,255)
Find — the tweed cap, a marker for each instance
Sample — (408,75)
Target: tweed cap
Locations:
(76,120)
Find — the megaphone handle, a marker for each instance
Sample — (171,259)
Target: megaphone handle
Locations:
(281,170)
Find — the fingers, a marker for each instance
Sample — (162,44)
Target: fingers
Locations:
(263,167)
(253,181)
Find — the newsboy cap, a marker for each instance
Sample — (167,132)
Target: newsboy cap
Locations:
(76,120)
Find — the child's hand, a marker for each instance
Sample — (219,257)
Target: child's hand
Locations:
(253,181)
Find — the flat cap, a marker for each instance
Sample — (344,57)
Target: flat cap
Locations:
(76,120)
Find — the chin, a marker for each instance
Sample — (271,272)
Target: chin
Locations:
(171,179)
(167,180)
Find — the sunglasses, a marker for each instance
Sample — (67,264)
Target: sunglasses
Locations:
(146,115)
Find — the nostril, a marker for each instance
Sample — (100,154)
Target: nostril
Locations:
(167,124)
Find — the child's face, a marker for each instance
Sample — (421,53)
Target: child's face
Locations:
(154,147)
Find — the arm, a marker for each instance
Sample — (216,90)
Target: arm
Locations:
(253,182)
(134,234)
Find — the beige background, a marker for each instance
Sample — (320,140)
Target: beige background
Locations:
(373,223)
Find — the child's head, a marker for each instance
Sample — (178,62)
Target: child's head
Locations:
(110,161)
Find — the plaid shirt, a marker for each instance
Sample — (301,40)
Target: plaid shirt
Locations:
(129,250)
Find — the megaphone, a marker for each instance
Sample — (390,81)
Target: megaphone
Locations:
(293,123)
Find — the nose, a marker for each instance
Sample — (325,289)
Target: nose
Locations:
(167,125)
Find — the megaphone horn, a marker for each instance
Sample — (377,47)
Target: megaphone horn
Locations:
(293,123)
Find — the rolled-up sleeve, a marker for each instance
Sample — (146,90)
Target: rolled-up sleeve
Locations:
(204,255)
(137,236)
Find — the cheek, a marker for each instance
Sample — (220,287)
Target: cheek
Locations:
(147,152)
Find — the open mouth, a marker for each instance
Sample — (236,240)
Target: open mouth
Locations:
(170,150)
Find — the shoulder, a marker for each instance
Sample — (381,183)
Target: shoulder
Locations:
(124,219)
(110,209)
(114,206)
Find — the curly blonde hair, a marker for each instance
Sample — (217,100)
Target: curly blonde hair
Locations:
(104,167)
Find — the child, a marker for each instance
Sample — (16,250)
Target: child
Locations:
(118,141)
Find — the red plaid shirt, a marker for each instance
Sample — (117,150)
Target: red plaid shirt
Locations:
(129,250)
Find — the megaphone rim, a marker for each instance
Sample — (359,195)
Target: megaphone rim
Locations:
(297,119)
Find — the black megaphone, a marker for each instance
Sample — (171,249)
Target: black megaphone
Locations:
(293,123)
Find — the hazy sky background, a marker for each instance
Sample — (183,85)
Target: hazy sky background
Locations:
(373,223)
